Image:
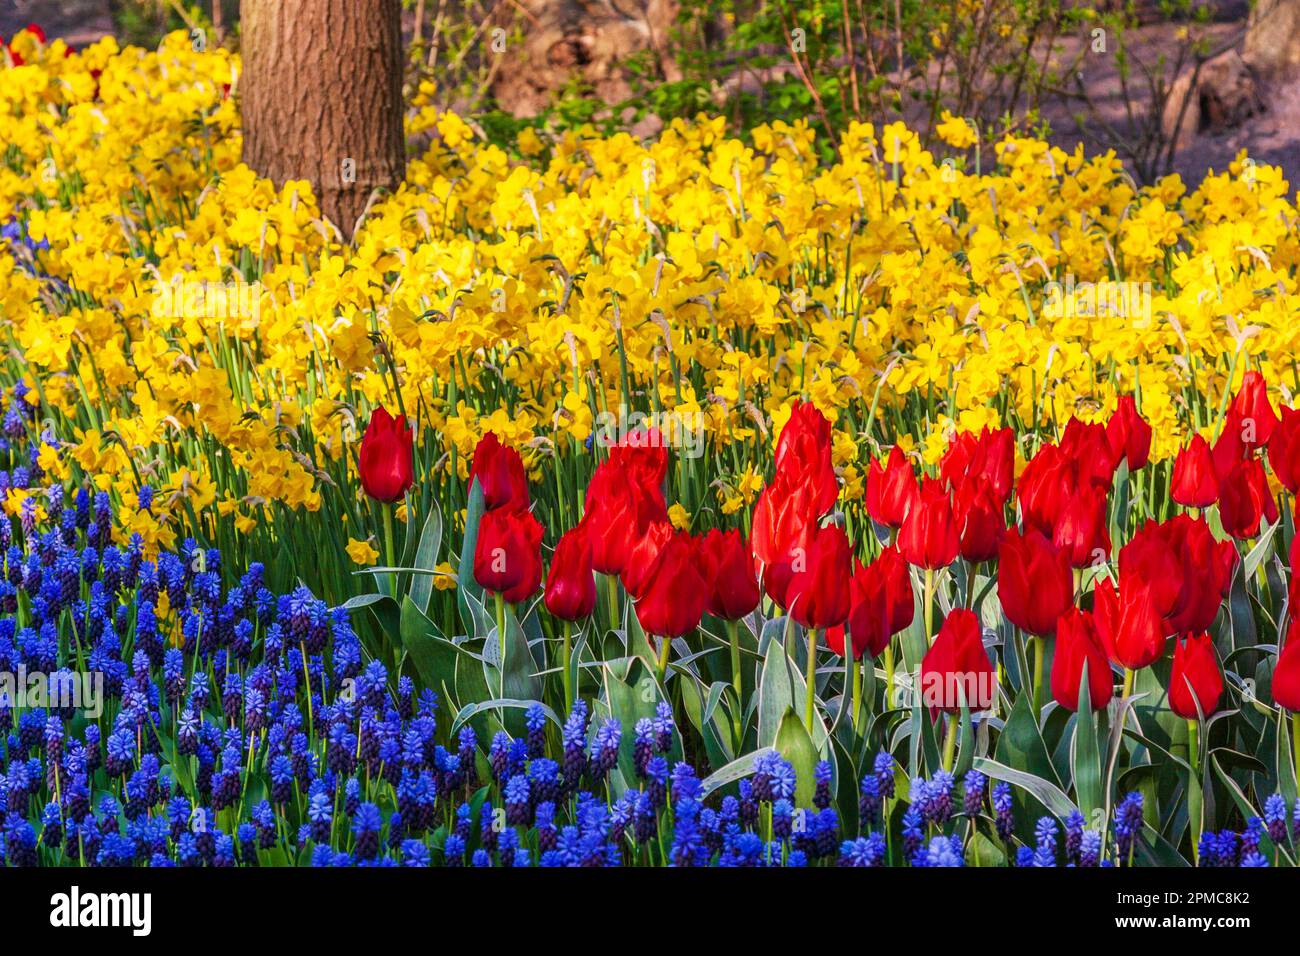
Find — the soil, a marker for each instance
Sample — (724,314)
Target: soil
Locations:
(1270,137)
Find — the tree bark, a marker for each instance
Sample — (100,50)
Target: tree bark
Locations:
(1272,45)
(321,98)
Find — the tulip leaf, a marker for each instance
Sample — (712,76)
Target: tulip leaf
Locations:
(426,558)
(1046,792)
(513,678)
(794,744)
(432,654)
(1250,564)
(478,707)
(1085,755)
(738,769)
(467,587)
(775,691)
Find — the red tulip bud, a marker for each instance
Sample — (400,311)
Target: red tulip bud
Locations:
(570,585)
(384,461)
(1079,644)
(956,668)
(1195,678)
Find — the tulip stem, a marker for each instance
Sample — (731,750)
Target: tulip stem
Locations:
(611,589)
(390,549)
(566,652)
(810,696)
(1194,787)
(925,606)
(1295,743)
(501,636)
(1128,682)
(665,646)
(1039,647)
(733,637)
(950,743)
(855,678)
(889,674)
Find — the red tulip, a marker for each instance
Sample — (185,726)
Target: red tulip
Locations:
(641,559)
(570,585)
(673,597)
(1195,678)
(882,605)
(1245,499)
(785,518)
(1034,581)
(803,452)
(1187,570)
(1284,450)
(618,513)
(642,457)
(891,489)
(989,456)
(1082,530)
(980,524)
(928,538)
(819,587)
(1128,622)
(956,668)
(1286,672)
(1047,482)
(385,457)
(1077,644)
(1087,448)
(1252,411)
(729,568)
(1129,434)
(1195,484)
(500,473)
(507,555)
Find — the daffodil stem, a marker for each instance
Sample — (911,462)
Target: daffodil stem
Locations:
(810,697)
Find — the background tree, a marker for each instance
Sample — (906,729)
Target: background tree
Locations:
(322,98)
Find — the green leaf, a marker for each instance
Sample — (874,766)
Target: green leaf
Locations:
(432,654)
(1046,792)
(426,558)
(1085,756)
(467,587)
(482,706)
(796,746)
(739,768)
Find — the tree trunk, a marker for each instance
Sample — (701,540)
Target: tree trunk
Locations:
(321,98)
(1272,46)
